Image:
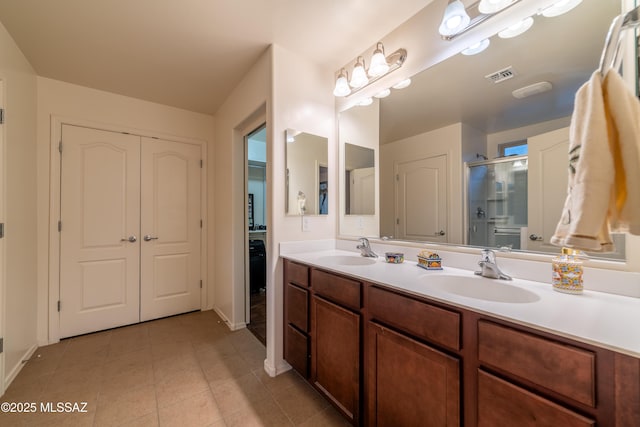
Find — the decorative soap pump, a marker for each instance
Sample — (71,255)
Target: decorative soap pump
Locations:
(567,272)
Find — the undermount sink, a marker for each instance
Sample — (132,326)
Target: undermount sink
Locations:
(481,288)
(347,260)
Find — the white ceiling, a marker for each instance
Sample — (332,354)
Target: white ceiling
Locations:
(189,53)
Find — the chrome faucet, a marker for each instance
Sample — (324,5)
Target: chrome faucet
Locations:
(489,267)
(365,248)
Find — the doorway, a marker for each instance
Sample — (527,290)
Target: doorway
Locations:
(256,232)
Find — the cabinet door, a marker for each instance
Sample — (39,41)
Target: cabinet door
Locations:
(410,383)
(335,354)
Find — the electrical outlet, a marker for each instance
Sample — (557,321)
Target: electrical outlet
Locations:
(305,224)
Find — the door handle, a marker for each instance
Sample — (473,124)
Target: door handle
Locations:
(131,239)
(148,238)
(439,233)
(535,237)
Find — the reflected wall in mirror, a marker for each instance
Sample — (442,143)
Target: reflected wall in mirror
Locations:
(307,174)
(359,169)
(452,114)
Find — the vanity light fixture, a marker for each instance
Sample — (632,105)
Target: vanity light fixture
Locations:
(380,67)
(358,75)
(559,8)
(476,48)
(456,21)
(516,29)
(342,85)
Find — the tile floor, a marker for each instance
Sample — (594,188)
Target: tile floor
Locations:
(187,370)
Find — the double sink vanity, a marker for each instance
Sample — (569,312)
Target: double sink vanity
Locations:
(397,345)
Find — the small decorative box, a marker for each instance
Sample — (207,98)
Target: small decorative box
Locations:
(394,257)
(429,260)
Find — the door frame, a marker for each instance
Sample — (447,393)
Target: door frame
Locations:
(3,270)
(54,208)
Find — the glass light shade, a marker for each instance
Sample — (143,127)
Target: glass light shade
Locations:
(563,6)
(516,29)
(383,94)
(359,76)
(365,102)
(488,7)
(474,49)
(455,19)
(379,64)
(342,85)
(402,84)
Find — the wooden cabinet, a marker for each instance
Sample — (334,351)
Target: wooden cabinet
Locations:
(296,317)
(335,355)
(410,383)
(425,363)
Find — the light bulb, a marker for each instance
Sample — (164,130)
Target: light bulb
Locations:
(516,29)
(379,64)
(474,49)
(455,19)
(402,84)
(342,85)
(359,76)
(383,94)
(558,8)
(489,7)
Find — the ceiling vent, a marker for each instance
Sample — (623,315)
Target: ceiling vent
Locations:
(501,75)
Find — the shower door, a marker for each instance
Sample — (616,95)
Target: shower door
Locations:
(497,202)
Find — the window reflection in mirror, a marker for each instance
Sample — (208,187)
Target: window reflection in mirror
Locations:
(307,175)
(359,180)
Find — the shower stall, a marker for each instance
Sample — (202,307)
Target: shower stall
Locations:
(497,202)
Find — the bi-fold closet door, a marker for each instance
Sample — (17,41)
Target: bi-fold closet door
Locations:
(130,229)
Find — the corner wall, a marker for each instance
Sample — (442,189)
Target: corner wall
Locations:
(17,305)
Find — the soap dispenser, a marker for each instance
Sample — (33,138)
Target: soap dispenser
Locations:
(567,272)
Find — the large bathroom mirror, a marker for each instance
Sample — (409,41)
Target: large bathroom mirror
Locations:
(470,109)
(307,174)
(359,170)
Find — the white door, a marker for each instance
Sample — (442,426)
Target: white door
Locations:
(421,199)
(362,191)
(547,187)
(170,241)
(99,240)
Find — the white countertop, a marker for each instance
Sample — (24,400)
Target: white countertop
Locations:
(605,320)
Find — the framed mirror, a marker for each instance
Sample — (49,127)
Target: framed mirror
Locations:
(471,108)
(307,174)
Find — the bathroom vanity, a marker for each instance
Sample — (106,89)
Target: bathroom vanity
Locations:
(388,354)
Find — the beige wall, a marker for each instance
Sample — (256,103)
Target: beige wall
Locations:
(63,101)
(18,307)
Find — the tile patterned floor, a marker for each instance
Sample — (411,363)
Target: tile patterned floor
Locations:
(187,370)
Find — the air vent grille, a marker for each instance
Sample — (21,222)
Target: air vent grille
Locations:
(501,75)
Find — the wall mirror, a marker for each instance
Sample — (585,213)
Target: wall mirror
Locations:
(359,170)
(464,110)
(307,176)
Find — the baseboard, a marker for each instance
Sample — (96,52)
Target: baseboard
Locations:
(276,370)
(16,369)
(231,326)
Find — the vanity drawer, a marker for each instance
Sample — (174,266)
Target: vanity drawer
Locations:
(501,403)
(418,318)
(336,288)
(297,306)
(558,367)
(296,273)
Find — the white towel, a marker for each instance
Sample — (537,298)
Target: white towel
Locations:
(603,166)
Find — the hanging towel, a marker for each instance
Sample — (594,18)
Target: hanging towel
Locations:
(604,166)
(583,224)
